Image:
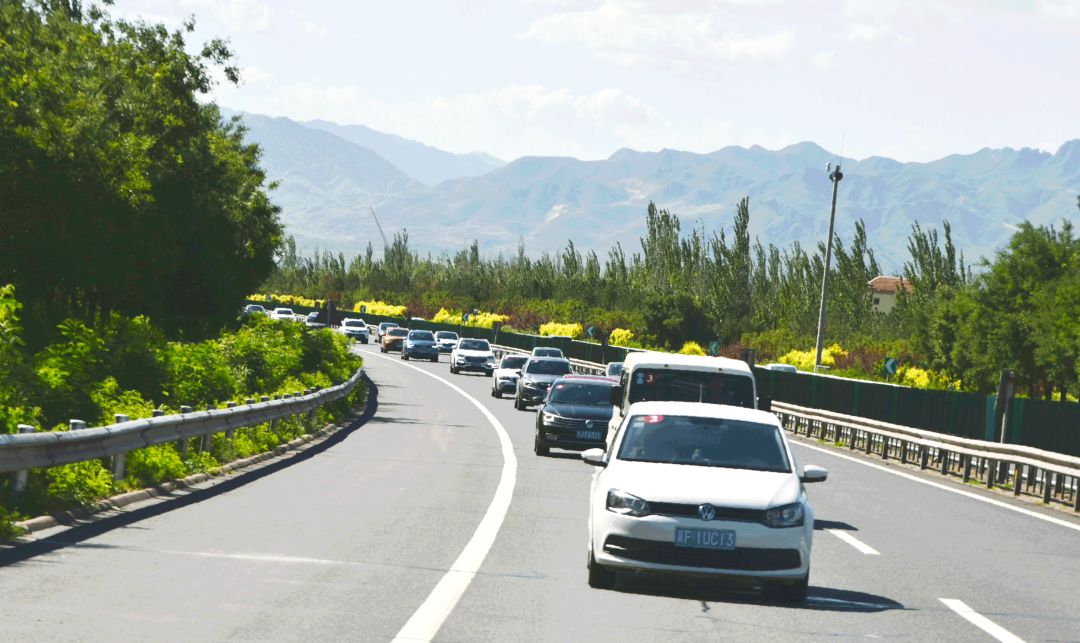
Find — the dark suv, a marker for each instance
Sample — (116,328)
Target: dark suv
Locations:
(575,414)
(537,376)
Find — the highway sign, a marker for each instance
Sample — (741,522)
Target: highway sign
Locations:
(890,366)
(714,348)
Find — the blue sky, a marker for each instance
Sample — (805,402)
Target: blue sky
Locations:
(913,80)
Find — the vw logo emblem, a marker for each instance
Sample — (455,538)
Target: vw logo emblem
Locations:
(590,424)
(707,512)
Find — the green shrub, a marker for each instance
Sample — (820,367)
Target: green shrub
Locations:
(153,465)
(79,484)
(691,348)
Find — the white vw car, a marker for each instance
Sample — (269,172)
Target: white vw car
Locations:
(704,490)
(472,355)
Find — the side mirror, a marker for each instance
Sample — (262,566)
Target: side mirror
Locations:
(616,395)
(812,473)
(595,457)
(764,404)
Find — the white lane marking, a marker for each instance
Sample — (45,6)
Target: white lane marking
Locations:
(854,542)
(425,622)
(980,621)
(961,492)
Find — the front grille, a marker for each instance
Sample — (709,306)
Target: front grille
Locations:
(734,514)
(476,360)
(741,559)
(570,423)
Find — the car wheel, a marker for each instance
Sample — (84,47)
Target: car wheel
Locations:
(788,592)
(600,577)
(539,448)
(517,402)
(495,392)
(453,371)
(382,349)
(404,356)
(435,359)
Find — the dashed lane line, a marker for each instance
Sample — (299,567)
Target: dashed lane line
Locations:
(854,542)
(980,621)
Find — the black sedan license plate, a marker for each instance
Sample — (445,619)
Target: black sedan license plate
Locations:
(588,435)
(705,538)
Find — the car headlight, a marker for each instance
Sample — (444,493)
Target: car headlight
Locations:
(549,418)
(491,359)
(626,504)
(786,516)
(527,383)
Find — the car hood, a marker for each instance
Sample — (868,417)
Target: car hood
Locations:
(580,411)
(421,343)
(507,372)
(465,353)
(689,484)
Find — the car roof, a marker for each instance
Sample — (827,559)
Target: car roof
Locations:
(593,378)
(546,358)
(656,359)
(697,409)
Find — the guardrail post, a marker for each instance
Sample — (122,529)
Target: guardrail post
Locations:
(229,433)
(924,456)
(264,398)
(869,441)
(118,459)
(965,462)
(851,438)
(944,455)
(157,413)
(1046,488)
(1076,496)
(903,451)
(884,447)
(18,482)
(182,443)
(990,467)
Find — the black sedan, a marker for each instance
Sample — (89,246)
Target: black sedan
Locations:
(575,415)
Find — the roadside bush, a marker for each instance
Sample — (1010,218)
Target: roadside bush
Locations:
(198,374)
(380,308)
(804,360)
(476,320)
(691,348)
(78,484)
(557,329)
(620,337)
(152,466)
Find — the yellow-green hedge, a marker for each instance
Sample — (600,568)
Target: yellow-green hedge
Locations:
(691,348)
(620,337)
(380,308)
(287,300)
(561,330)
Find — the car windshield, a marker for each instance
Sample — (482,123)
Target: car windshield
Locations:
(397,332)
(474,345)
(548,367)
(547,352)
(615,369)
(353,323)
(711,442)
(312,315)
(516,361)
(421,336)
(691,386)
(585,393)
(386,325)
(446,334)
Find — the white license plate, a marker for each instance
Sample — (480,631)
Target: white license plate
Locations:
(588,435)
(705,538)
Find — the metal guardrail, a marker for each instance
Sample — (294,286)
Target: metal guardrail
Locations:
(1053,476)
(27,450)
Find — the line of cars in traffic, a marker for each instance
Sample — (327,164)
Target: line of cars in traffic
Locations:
(693,475)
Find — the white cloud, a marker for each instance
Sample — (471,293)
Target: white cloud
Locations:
(1060,8)
(866,33)
(825,59)
(633,33)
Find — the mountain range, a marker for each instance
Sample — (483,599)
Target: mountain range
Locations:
(330,174)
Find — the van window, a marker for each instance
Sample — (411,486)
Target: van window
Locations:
(652,385)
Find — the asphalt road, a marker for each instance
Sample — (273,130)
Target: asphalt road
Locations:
(350,541)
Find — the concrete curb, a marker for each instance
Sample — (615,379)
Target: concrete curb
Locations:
(62,518)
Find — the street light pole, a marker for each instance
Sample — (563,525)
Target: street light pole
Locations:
(835,177)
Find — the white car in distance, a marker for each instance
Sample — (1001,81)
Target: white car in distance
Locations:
(506,375)
(472,355)
(283,313)
(701,490)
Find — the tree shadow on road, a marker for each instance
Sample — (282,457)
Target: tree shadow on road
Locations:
(94,526)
